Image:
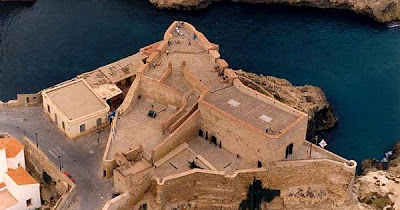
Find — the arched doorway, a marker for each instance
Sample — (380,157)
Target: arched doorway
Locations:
(200,133)
(289,150)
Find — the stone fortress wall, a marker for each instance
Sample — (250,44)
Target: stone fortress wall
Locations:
(207,189)
(40,164)
(309,181)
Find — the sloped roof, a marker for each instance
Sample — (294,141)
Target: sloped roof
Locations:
(12,146)
(21,177)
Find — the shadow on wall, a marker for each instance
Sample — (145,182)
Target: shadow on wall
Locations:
(257,195)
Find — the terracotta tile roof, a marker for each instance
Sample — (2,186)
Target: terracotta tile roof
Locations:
(20,176)
(2,185)
(12,145)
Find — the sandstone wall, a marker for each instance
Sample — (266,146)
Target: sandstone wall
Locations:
(33,99)
(119,203)
(131,97)
(249,142)
(326,181)
(185,132)
(153,89)
(39,163)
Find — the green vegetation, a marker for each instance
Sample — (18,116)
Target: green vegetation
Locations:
(279,98)
(377,200)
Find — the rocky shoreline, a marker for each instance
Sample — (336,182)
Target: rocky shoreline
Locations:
(380,10)
(379,184)
(307,98)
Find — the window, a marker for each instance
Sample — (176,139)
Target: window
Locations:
(98,122)
(63,125)
(29,202)
(27,100)
(56,118)
(82,128)
(200,133)
(48,108)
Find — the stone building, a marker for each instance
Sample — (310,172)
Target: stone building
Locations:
(18,189)
(75,107)
(189,133)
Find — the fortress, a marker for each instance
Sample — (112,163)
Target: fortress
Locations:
(189,134)
(186,132)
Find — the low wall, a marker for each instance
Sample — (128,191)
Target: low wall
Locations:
(37,161)
(119,203)
(109,163)
(161,93)
(33,99)
(176,124)
(131,97)
(194,81)
(185,132)
(209,189)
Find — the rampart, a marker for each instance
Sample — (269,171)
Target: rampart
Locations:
(40,165)
(326,181)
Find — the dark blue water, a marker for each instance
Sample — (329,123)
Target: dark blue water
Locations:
(355,61)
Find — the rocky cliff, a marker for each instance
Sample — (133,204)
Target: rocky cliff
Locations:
(380,10)
(379,186)
(309,99)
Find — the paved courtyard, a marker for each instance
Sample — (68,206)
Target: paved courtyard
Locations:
(81,157)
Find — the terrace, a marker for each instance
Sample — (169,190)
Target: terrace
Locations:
(135,128)
(251,110)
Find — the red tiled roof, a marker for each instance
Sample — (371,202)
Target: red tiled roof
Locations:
(20,176)
(12,146)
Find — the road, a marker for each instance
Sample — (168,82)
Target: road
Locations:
(81,157)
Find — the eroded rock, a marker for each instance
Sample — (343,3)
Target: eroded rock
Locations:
(307,98)
(380,10)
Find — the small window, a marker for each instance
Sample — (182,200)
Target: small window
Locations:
(82,128)
(56,118)
(99,122)
(27,100)
(29,202)
(63,125)
(48,108)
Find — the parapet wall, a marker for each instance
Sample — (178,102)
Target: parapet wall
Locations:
(194,82)
(131,97)
(185,132)
(37,161)
(161,93)
(33,99)
(209,189)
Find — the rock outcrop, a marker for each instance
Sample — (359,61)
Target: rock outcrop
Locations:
(380,10)
(309,99)
(378,187)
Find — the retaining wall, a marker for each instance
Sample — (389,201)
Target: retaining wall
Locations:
(209,188)
(37,161)
(185,132)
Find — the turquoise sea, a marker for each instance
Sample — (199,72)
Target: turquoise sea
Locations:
(355,60)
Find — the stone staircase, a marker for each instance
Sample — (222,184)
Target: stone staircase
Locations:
(146,156)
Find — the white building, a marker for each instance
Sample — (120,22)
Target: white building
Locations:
(75,107)
(18,189)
